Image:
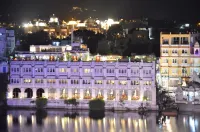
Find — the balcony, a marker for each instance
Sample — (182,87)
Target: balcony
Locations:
(111,63)
(110,74)
(39,73)
(98,63)
(134,74)
(123,63)
(75,73)
(87,74)
(164,64)
(51,73)
(122,74)
(147,64)
(86,63)
(98,74)
(74,63)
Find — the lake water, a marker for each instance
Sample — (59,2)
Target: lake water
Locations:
(84,121)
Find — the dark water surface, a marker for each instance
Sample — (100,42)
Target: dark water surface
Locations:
(84,121)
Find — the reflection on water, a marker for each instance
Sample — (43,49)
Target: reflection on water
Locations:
(84,121)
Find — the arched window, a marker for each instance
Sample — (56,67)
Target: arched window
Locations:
(52,93)
(135,94)
(196,51)
(123,95)
(99,94)
(29,93)
(111,94)
(183,51)
(147,95)
(16,92)
(87,94)
(39,92)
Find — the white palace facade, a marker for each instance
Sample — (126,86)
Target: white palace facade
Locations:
(76,74)
(132,82)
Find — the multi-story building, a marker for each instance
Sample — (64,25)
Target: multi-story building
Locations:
(7,41)
(3,67)
(131,82)
(179,58)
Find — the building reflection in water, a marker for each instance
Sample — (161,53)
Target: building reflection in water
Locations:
(60,121)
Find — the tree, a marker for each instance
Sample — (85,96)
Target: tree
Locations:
(37,38)
(89,38)
(41,103)
(97,104)
(3,89)
(72,102)
(104,47)
(115,32)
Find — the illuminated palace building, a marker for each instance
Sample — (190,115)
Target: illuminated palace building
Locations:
(179,59)
(71,72)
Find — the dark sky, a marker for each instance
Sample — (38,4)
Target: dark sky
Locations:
(160,9)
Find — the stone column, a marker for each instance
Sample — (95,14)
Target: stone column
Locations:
(34,93)
(81,94)
(141,93)
(129,95)
(105,94)
(10,93)
(117,95)
(70,93)
(93,93)
(58,93)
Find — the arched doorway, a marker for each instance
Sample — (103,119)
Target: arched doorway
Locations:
(52,93)
(147,95)
(16,92)
(39,93)
(29,93)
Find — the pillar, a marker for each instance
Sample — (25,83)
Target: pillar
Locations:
(69,93)
(129,95)
(117,95)
(105,94)
(58,93)
(93,93)
(10,93)
(34,93)
(81,93)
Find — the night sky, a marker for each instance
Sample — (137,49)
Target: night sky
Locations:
(159,9)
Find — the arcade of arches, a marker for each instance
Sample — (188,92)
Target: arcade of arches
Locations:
(111,94)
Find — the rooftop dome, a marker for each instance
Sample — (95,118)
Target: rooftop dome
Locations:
(196,45)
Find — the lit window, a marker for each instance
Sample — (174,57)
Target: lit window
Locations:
(86,70)
(74,70)
(111,82)
(98,82)
(62,69)
(122,82)
(27,80)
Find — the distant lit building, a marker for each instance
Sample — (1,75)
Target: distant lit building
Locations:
(179,58)
(4,67)
(7,41)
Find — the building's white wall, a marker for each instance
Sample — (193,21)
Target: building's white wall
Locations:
(20,70)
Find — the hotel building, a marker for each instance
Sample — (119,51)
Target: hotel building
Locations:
(179,59)
(114,81)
